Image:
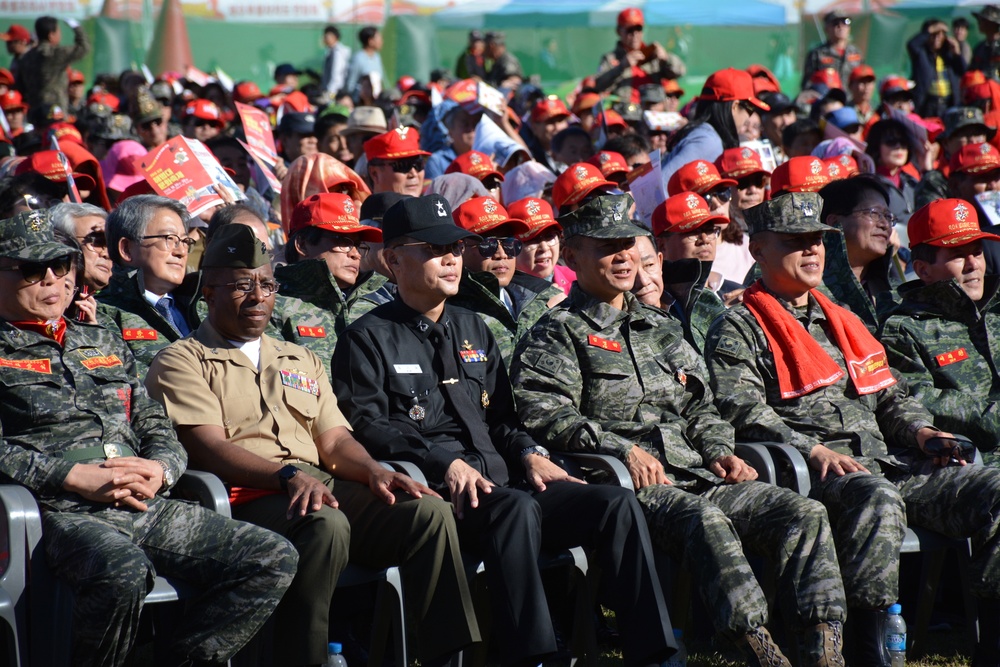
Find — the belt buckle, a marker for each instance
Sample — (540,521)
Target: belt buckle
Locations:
(112,451)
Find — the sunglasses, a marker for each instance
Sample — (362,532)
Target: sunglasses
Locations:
(721,196)
(93,240)
(159,121)
(404,166)
(511,246)
(34,272)
(438,249)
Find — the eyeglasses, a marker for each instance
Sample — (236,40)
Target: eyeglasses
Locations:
(93,240)
(754,181)
(438,249)
(403,166)
(170,241)
(748,108)
(701,232)
(150,123)
(895,142)
(877,215)
(511,246)
(721,196)
(633,28)
(247,286)
(347,245)
(33,272)
(206,123)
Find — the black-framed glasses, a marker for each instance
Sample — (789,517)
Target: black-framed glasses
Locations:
(403,166)
(877,215)
(511,246)
(346,245)
(170,241)
(34,272)
(747,107)
(438,249)
(703,231)
(721,196)
(93,240)
(634,28)
(754,180)
(150,123)
(895,142)
(247,286)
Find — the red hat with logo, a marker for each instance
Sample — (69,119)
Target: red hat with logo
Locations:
(862,72)
(740,162)
(334,212)
(730,85)
(482,215)
(630,16)
(247,92)
(16,33)
(12,100)
(578,181)
(47,164)
(946,222)
(684,212)
(548,109)
(474,163)
(64,131)
(611,164)
(975,159)
(536,213)
(799,174)
(841,166)
(614,119)
(105,98)
(698,176)
(204,110)
(394,144)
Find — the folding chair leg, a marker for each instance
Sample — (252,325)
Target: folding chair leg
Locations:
(389,612)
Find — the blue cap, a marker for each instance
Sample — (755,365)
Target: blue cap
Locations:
(334,647)
(896,608)
(844,117)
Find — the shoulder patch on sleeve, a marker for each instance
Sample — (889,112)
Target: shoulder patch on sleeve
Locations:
(543,364)
(731,347)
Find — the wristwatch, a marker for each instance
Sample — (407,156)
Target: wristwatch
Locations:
(285,474)
(535,449)
(168,477)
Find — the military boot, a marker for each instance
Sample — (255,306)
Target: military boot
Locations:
(988,649)
(760,650)
(865,638)
(823,645)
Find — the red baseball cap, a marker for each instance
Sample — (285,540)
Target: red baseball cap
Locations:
(764,80)
(799,174)
(729,85)
(64,131)
(334,212)
(138,188)
(975,159)
(536,213)
(612,118)
(6,78)
(946,222)
(698,176)
(247,92)
(630,16)
(481,215)
(684,212)
(578,181)
(841,166)
(585,101)
(972,77)
(48,165)
(862,72)
(296,101)
(405,82)
(977,92)
(105,98)
(671,87)
(740,162)
(75,75)
(204,110)
(893,84)
(474,163)
(547,109)
(16,33)
(398,143)
(828,77)
(610,164)
(12,100)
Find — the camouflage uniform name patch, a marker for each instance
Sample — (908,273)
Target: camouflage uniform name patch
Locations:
(312,332)
(604,343)
(102,362)
(33,365)
(139,334)
(952,357)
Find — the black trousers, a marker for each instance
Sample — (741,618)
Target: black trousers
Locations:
(510,528)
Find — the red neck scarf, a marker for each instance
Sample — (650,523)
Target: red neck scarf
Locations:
(802,364)
(54,329)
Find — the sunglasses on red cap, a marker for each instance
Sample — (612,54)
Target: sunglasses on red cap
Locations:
(403,166)
(511,246)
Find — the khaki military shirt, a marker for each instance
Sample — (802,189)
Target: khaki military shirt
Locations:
(276,412)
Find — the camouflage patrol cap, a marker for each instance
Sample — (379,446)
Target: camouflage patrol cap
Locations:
(603,217)
(28,236)
(235,247)
(790,213)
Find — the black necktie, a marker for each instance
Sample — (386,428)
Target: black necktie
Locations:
(466,412)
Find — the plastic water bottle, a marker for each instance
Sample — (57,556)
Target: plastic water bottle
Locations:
(895,636)
(333,655)
(679,659)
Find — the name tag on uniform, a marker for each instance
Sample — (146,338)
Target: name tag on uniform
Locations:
(102,362)
(139,334)
(952,357)
(407,369)
(297,380)
(604,343)
(312,332)
(33,365)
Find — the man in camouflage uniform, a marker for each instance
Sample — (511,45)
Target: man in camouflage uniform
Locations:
(634,63)
(603,355)
(80,431)
(843,417)
(942,336)
(509,301)
(328,291)
(148,242)
(837,52)
(986,54)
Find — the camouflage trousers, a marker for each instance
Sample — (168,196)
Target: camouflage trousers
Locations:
(110,558)
(869,514)
(708,532)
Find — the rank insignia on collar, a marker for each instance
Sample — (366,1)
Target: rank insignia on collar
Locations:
(604,343)
(952,357)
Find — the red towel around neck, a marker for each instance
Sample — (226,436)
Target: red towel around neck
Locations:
(802,364)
